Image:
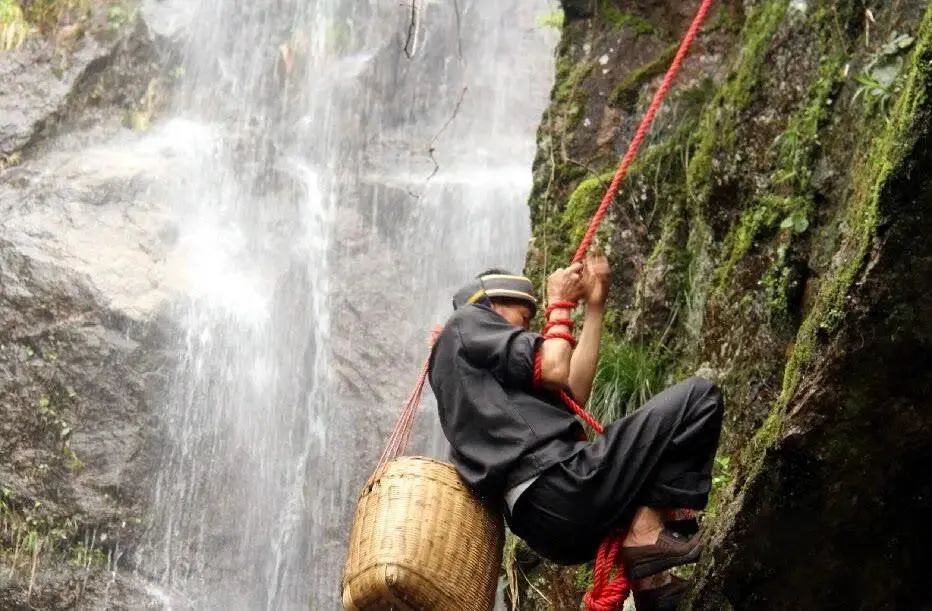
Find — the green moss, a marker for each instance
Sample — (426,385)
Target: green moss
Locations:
(568,80)
(583,577)
(800,141)
(625,93)
(624,19)
(717,129)
(764,215)
(753,454)
(885,158)
(582,204)
(791,179)
(568,99)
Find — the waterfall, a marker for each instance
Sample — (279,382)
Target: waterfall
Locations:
(348,164)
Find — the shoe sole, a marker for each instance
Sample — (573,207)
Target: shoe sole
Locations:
(653,567)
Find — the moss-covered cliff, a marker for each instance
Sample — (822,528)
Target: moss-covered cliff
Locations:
(773,238)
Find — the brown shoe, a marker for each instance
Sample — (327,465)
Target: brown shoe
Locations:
(664,598)
(671,549)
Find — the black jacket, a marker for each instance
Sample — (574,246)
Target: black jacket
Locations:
(502,430)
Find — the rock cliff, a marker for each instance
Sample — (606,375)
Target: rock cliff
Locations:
(773,238)
(79,338)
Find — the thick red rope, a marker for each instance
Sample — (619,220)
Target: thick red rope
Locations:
(610,586)
(609,593)
(643,129)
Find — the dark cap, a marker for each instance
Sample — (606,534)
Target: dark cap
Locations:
(497,286)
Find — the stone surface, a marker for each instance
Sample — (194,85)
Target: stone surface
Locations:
(83,257)
(771,238)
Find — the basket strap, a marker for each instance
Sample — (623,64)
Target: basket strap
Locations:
(398,440)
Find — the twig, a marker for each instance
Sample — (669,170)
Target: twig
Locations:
(459,33)
(15,553)
(532,586)
(35,560)
(411,42)
(588,168)
(443,128)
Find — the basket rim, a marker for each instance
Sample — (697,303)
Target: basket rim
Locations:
(378,474)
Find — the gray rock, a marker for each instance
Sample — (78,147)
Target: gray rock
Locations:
(168,19)
(92,71)
(84,276)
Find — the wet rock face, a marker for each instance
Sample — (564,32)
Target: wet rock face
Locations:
(75,427)
(77,77)
(772,239)
(79,335)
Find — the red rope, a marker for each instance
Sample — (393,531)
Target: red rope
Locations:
(559,322)
(610,586)
(609,593)
(643,129)
(398,440)
(559,305)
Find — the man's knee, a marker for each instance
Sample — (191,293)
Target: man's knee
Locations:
(704,394)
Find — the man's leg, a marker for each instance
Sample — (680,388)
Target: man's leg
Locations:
(657,457)
(681,477)
(662,455)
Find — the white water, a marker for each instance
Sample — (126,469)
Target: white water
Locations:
(318,243)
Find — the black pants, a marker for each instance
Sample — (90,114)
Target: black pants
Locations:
(659,456)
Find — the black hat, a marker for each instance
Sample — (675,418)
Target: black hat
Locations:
(497,286)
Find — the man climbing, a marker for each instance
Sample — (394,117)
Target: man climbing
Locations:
(516,444)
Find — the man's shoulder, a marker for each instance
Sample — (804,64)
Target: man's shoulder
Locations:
(467,324)
(472,315)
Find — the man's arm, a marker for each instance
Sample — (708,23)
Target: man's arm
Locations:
(555,353)
(586,355)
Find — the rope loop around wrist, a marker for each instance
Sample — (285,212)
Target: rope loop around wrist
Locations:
(559,322)
(564,336)
(559,305)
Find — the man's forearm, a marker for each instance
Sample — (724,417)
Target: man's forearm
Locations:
(556,354)
(586,355)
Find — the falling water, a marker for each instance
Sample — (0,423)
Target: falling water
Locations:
(348,163)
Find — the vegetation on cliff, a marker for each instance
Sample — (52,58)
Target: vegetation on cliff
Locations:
(743,242)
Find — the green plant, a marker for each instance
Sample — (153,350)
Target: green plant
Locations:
(13,25)
(118,15)
(74,463)
(85,556)
(551,19)
(47,15)
(721,472)
(796,221)
(583,577)
(627,376)
(621,19)
(878,80)
(722,476)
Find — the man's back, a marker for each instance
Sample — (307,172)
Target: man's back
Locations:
(502,430)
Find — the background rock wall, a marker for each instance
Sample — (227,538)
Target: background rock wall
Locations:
(80,338)
(772,238)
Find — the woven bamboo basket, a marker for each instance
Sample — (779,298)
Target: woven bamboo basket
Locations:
(421,540)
